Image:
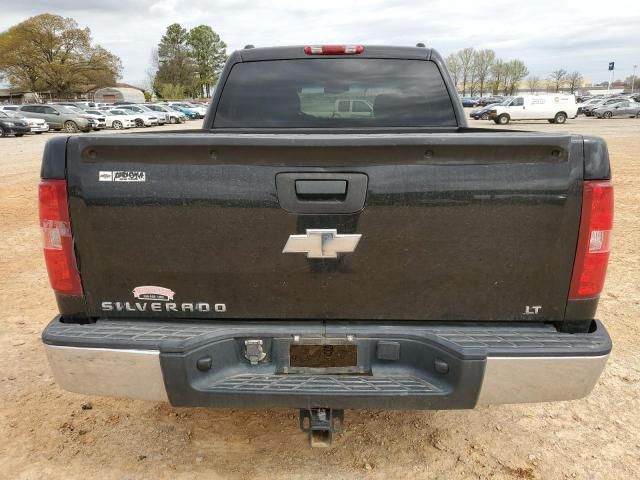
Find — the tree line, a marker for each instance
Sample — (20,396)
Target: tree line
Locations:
(53,54)
(481,72)
(187,63)
(50,53)
(561,79)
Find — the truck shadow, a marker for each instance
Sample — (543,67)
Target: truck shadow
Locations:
(250,442)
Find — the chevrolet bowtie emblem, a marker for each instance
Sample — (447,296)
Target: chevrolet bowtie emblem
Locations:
(322,243)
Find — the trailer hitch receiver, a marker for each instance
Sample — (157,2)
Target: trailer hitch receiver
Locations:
(320,424)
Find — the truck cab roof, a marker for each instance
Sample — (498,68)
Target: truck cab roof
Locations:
(297,51)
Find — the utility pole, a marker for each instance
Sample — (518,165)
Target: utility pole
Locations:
(633,78)
(612,65)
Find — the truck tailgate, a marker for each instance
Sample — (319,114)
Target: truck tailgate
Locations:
(454,226)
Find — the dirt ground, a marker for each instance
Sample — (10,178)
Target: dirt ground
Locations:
(45,432)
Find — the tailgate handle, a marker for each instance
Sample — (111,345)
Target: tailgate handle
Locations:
(322,193)
(321,189)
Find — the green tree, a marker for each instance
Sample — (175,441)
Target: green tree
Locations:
(175,65)
(483,61)
(209,53)
(52,53)
(515,71)
(498,74)
(169,91)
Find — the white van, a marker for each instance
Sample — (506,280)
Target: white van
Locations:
(555,108)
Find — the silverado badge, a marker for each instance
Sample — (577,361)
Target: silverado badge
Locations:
(322,243)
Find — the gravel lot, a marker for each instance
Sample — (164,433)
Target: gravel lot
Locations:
(46,433)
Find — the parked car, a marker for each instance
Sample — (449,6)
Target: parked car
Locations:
(187,109)
(116,119)
(482,113)
(174,116)
(98,116)
(9,107)
(347,108)
(587,104)
(163,117)
(60,117)
(189,114)
(328,272)
(625,108)
(37,125)
(603,102)
(199,108)
(484,101)
(470,101)
(12,125)
(81,105)
(143,117)
(554,108)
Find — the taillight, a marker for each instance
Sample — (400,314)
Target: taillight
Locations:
(58,241)
(594,240)
(333,49)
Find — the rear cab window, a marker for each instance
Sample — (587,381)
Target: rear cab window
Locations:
(335,93)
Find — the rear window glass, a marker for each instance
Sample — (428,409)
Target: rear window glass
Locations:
(317,93)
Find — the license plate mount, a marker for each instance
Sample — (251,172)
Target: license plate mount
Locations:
(323,358)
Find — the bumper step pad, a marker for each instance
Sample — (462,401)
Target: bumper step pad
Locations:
(325,383)
(471,339)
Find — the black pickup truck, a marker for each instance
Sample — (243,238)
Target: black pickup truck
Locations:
(289,255)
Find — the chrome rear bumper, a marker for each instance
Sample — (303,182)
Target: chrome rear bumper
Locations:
(108,372)
(539,379)
(487,364)
(137,374)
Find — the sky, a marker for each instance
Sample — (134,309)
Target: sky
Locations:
(546,34)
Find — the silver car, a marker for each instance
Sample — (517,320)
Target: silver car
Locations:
(37,125)
(625,108)
(144,117)
(59,117)
(588,110)
(174,116)
(99,118)
(162,117)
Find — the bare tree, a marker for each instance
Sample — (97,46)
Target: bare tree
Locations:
(473,77)
(627,81)
(465,58)
(574,79)
(150,72)
(558,78)
(483,61)
(453,65)
(533,83)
